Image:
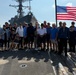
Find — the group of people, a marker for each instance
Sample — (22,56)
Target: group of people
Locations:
(41,36)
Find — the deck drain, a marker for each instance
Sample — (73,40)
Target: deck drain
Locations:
(23,66)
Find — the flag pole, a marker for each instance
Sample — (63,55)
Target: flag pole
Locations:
(56,11)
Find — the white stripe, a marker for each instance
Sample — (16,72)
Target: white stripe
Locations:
(62,69)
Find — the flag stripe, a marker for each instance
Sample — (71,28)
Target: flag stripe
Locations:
(66,19)
(65,15)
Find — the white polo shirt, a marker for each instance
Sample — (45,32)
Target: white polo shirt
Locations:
(19,30)
(41,31)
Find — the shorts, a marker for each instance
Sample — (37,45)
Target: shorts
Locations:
(53,41)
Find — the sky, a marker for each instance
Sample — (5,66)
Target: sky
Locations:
(41,9)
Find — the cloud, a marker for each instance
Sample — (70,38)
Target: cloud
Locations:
(69,4)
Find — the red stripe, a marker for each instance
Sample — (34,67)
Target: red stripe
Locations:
(66,15)
(59,18)
(66,18)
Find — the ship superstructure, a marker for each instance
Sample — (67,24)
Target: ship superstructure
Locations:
(20,17)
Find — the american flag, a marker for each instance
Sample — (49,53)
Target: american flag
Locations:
(66,13)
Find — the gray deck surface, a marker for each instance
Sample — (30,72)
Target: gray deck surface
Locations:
(37,63)
(32,62)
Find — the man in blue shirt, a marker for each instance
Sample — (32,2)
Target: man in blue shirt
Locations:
(25,35)
(53,37)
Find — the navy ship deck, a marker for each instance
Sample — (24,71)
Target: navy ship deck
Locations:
(32,62)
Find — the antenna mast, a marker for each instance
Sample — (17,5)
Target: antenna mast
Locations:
(20,7)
